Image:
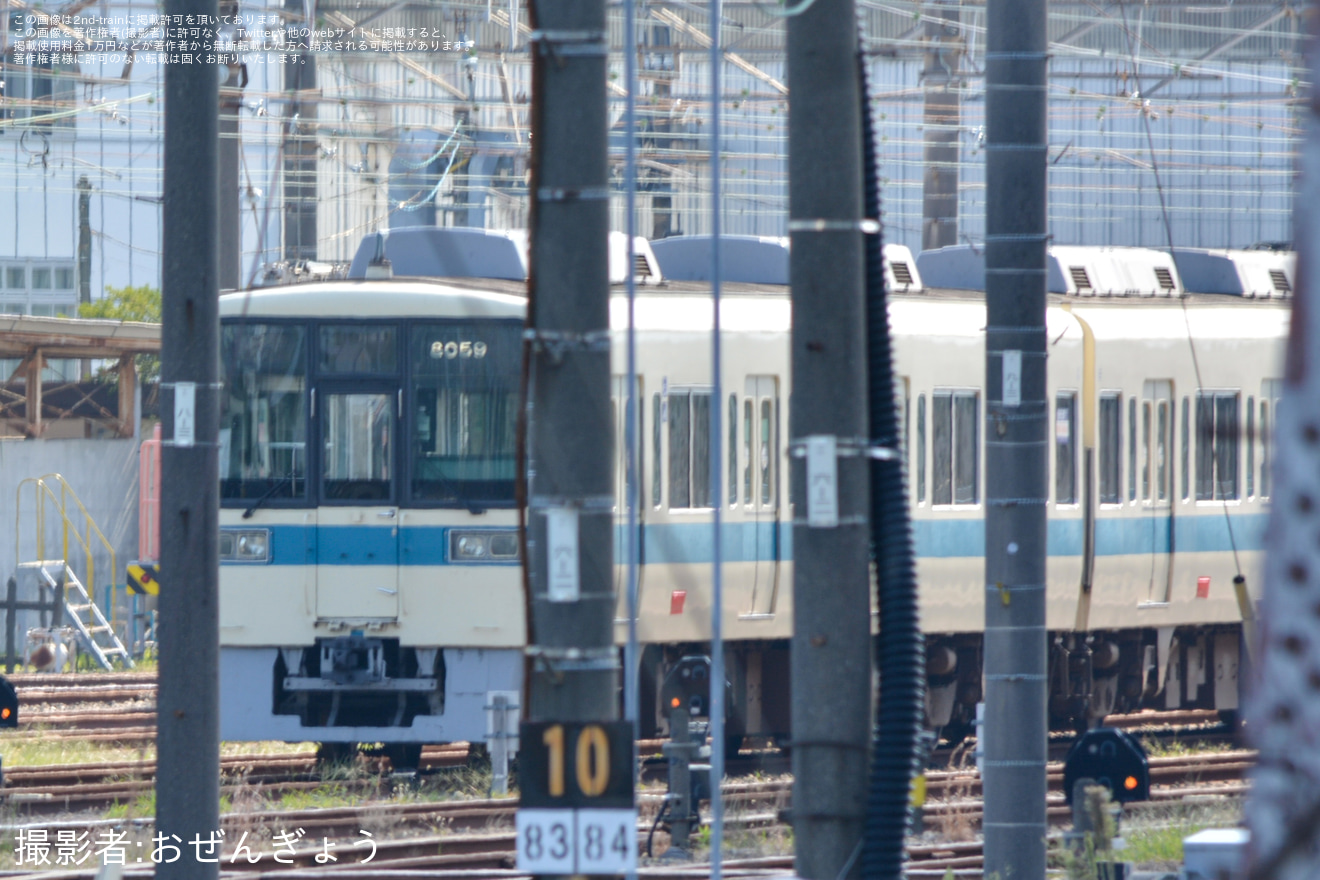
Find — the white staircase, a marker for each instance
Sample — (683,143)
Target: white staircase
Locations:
(94,631)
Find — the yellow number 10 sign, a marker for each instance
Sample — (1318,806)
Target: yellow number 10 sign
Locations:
(576,764)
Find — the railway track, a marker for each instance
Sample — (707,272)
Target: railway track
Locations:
(476,835)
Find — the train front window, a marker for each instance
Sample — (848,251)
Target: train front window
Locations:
(465,381)
(357,349)
(263,412)
(358,432)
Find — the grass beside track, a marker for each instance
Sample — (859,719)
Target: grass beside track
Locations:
(28,748)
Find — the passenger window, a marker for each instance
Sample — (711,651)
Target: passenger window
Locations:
(1265,449)
(656,459)
(1186,447)
(689,450)
(1065,449)
(1147,458)
(1111,433)
(1251,447)
(748,456)
(1162,451)
(1216,445)
(733,449)
(1271,390)
(1132,449)
(955,426)
(921,449)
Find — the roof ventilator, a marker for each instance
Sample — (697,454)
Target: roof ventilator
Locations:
(1280,281)
(1080,279)
(641,267)
(1164,279)
(902,274)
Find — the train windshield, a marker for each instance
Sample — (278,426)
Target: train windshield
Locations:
(464,382)
(263,412)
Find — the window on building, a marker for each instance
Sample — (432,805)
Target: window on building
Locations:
(64,278)
(37,91)
(955,425)
(1111,448)
(1216,445)
(16,278)
(41,278)
(1065,449)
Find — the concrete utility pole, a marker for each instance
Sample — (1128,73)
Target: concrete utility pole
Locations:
(1016,439)
(188,699)
(231,102)
(573,666)
(1283,714)
(85,254)
(84,239)
(300,146)
(941,115)
(831,649)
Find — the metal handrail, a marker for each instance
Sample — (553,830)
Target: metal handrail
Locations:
(41,490)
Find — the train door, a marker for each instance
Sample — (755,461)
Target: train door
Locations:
(357,557)
(760,485)
(1156,479)
(619,405)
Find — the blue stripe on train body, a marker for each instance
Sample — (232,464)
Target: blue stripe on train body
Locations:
(692,543)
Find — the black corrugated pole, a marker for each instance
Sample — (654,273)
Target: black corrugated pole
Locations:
(831,648)
(1016,440)
(187,703)
(573,665)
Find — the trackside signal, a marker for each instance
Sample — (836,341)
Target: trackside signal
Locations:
(8,704)
(1114,759)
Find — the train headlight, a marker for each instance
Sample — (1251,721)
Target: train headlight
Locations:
(483,546)
(245,545)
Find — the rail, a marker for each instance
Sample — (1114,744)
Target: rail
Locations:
(42,489)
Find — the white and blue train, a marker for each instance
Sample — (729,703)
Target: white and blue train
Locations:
(370,588)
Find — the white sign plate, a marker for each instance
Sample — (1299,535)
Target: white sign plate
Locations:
(561,533)
(822,482)
(606,841)
(546,841)
(1013,378)
(185,413)
(585,841)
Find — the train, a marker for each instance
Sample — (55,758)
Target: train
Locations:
(370,584)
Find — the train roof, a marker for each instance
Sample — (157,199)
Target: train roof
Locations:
(754,259)
(493,254)
(479,298)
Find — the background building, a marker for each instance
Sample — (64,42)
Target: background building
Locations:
(383,113)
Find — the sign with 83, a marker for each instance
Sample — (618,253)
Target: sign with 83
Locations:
(569,841)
